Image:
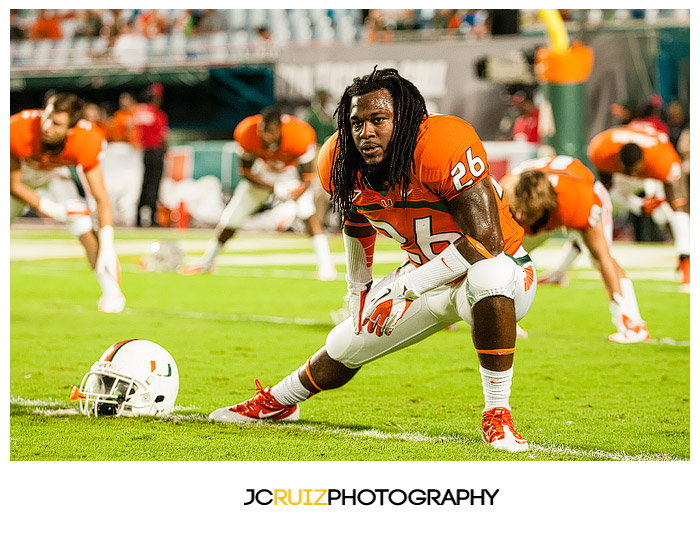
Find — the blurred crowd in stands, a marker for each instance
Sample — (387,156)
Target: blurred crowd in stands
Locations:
(372,25)
(123,34)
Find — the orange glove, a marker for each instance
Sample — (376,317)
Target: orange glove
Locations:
(651,204)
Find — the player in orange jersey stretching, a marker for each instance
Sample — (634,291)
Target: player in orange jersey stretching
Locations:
(43,146)
(549,193)
(278,159)
(422,180)
(642,152)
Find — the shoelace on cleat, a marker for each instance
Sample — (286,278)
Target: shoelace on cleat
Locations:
(494,422)
(262,398)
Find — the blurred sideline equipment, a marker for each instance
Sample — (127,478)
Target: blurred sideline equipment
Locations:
(132,377)
(164,257)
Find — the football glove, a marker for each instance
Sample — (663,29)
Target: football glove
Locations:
(388,307)
(285,190)
(651,204)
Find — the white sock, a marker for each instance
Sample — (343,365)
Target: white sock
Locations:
(617,309)
(630,299)
(213,249)
(680,229)
(322,250)
(290,391)
(496,387)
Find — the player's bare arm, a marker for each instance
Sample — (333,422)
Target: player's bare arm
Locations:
(476,212)
(307,171)
(17,188)
(358,226)
(99,192)
(594,239)
(246,170)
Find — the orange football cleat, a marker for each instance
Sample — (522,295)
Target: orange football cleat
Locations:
(628,336)
(554,279)
(684,269)
(498,430)
(195,269)
(630,332)
(262,406)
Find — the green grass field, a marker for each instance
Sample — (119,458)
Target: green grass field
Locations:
(575,395)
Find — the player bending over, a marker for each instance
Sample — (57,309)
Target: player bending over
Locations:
(43,144)
(277,149)
(549,193)
(640,152)
(424,181)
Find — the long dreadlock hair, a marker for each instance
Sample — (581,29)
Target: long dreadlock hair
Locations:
(348,168)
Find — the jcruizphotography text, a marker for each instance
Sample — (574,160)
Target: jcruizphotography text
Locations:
(367,497)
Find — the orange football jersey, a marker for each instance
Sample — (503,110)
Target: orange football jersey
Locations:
(661,161)
(122,127)
(579,207)
(298,145)
(82,148)
(449,157)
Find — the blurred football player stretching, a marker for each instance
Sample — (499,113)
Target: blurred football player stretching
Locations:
(424,181)
(273,146)
(637,156)
(549,193)
(43,144)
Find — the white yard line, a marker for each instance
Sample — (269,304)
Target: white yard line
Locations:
(52,407)
(266,319)
(632,256)
(253,266)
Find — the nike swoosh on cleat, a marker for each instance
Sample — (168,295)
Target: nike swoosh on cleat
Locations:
(263,415)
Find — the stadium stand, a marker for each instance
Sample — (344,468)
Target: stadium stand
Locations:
(176,35)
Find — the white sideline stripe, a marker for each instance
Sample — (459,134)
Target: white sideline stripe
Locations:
(663,281)
(668,341)
(276,273)
(56,408)
(295,321)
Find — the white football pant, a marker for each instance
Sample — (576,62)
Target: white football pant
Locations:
(433,311)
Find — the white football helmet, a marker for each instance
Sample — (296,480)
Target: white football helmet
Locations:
(132,377)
